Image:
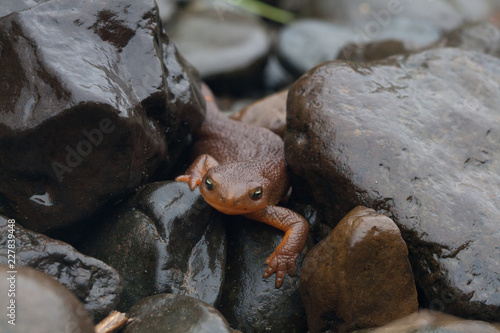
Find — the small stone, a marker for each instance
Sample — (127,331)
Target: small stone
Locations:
(269,112)
(228,48)
(249,302)
(417,138)
(425,321)
(359,276)
(40,304)
(97,285)
(165,239)
(175,314)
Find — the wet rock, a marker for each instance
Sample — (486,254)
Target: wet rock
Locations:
(175,314)
(228,48)
(443,14)
(359,276)
(40,304)
(306,43)
(166,239)
(85,102)
(478,36)
(269,112)
(249,302)
(372,51)
(426,321)
(97,285)
(416,138)
(10,6)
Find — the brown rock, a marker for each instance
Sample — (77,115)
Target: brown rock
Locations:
(269,112)
(359,276)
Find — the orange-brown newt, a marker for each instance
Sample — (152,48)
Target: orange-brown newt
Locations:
(241,170)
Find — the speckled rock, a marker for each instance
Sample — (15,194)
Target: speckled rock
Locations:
(97,285)
(416,138)
(426,321)
(169,313)
(359,276)
(249,302)
(40,304)
(85,102)
(228,48)
(269,112)
(166,239)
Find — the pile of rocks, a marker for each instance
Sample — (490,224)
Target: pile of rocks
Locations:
(395,163)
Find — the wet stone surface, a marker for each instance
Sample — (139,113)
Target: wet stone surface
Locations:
(175,314)
(249,302)
(359,276)
(228,48)
(478,36)
(42,305)
(416,138)
(97,285)
(307,43)
(166,239)
(82,118)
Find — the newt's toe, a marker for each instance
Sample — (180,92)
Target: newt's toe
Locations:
(192,181)
(281,264)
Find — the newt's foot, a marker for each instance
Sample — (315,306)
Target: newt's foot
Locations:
(192,180)
(281,262)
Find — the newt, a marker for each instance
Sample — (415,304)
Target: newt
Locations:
(241,170)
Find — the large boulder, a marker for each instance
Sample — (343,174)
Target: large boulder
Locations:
(416,138)
(93,100)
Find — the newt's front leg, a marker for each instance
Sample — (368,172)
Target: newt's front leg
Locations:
(296,229)
(194,174)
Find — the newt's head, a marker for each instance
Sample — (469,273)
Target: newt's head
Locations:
(235,189)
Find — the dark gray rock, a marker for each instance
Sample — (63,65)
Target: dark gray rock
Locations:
(97,285)
(366,31)
(249,302)
(166,239)
(85,101)
(443,14)
(307,43)
(39,304)
(169,313)
(477,36)
(416,138)
(228,48)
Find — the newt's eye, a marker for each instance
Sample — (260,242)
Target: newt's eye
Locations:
(256,194)
(209,183)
